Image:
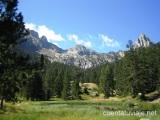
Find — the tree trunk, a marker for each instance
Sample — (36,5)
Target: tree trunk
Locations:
(2,100)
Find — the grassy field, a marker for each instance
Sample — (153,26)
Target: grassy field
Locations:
(79,110)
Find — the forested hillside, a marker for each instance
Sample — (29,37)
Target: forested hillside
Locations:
(137,72)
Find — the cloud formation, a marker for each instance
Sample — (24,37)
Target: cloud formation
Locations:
(96,42)
(77,40)
(44,30)
(107,41)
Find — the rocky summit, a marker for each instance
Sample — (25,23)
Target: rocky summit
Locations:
(79,55)
(142,41)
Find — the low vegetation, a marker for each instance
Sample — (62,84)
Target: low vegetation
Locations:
(78,110)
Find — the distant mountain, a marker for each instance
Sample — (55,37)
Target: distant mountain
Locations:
(81,50)
(142,41)
(33,43)
(79,55)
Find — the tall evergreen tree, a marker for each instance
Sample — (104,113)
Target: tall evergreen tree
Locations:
(66,92)
(107,80)
(11,31)
(76,77)
(122,77)
(132,57)
(59,83)
(37,84)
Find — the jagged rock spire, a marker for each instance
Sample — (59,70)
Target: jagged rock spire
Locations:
(142,41)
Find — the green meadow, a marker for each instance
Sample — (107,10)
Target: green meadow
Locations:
(80,110)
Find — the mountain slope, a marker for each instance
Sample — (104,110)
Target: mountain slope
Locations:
(79,55)
(33,43)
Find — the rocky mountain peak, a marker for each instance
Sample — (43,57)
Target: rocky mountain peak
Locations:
(80,50)
(80,47)
(142,41)
(79,55)
(34,33)
(34,44)
(44,39)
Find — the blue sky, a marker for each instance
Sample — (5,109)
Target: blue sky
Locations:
(102,25)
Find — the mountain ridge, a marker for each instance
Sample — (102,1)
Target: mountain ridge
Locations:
(79,55)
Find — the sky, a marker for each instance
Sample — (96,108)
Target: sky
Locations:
(101,25)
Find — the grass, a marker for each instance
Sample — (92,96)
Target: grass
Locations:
(77,110)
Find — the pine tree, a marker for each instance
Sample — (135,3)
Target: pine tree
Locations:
(76,76)
(75,89)
(107,81)
(132,57)
(37,85)
(11,31)
(59,83)
(66,92)
(122,75)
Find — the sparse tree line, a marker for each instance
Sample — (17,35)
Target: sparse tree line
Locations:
(35,78)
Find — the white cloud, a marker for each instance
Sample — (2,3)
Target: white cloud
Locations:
(30,26)
(44,30)
(76,39)
(107,41)
(56,44)
(90,41)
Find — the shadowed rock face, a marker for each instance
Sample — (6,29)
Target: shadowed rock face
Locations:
(79,55)
(33,43)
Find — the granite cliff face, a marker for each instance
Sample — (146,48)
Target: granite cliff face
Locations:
(142,41)
(79,55)
(33,43)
